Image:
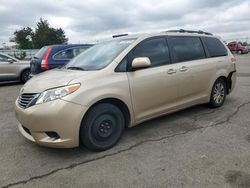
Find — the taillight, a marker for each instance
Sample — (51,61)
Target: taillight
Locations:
(45,60)
(233,60)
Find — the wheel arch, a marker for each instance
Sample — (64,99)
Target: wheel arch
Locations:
(118,103)
(115,101)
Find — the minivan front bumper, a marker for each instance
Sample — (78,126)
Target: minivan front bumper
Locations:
(53,124)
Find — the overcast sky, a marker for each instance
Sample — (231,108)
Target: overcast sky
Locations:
(92,20)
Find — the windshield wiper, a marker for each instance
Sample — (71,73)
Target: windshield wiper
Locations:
(75,68)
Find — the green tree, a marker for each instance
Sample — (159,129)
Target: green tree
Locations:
(46,35)
(23,38)
(43,35)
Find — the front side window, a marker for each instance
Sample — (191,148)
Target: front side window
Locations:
(186,48)
(100,55)
(215,47)
(155,49)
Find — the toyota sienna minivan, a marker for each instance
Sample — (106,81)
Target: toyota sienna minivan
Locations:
(121,83)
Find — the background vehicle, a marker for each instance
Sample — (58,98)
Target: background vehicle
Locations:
(12,69)
(50,57)
(237,48)
(121,83)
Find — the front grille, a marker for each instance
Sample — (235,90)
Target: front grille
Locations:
(26,100)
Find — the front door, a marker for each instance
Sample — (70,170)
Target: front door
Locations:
(154,90)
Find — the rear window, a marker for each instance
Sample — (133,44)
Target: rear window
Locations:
(215,47)
(41,52)
(186,48)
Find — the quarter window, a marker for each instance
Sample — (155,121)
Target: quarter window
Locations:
(155,49)
(186,48)
(215,47)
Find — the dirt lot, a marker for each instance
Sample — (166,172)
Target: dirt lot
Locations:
(197,147)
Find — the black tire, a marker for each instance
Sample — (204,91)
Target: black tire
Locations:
(102,127)
(239,52)
(25,76)
(218,93)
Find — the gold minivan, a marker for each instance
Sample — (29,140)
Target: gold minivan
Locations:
(122,82)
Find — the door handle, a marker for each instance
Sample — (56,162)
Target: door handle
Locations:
(183,69)
(171,71)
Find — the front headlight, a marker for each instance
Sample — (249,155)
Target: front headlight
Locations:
(53,94)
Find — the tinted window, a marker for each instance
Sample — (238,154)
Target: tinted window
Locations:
(155,49)
(64,55)
(186,48)
(215,47)
(122,67)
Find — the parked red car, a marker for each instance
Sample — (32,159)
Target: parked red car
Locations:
(237,48)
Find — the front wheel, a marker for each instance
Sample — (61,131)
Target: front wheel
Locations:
(239,52)
(102,127)
(218,94)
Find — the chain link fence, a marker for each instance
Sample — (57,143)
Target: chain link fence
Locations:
(21,54)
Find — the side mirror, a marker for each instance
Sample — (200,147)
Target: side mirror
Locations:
(141,62)
(10,60)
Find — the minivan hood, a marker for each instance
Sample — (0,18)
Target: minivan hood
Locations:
(51,79)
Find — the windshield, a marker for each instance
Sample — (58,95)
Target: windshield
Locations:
(99,56)
(41,52)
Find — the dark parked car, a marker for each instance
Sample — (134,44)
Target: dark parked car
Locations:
(54,56)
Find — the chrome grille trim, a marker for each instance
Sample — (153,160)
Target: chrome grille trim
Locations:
(26,99)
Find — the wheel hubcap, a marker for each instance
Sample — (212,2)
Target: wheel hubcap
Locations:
(26,76)
(104,127)
(218,93)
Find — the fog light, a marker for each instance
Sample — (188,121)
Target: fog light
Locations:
(53,135)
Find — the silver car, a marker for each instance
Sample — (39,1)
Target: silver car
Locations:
(12,69)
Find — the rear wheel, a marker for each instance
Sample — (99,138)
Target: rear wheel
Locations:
(239,52)
(218,94)
(102,127)
(25,76)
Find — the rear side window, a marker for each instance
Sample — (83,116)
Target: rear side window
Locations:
(215,47)
(155,49)
(186,48)
(77,51)
(69,53)
(64,55)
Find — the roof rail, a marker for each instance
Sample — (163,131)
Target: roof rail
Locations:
(189,31)
(119,35)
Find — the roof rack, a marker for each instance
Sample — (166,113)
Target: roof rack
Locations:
(120,35)
(190,31)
